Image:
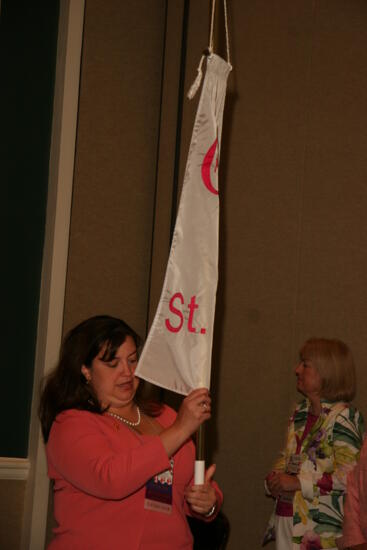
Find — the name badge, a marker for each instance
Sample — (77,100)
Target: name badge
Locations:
(294,464)
(158,492)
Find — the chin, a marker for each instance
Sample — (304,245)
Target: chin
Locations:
(124,398)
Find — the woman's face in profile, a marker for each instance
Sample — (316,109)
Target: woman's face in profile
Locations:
(113,380)
(309,381)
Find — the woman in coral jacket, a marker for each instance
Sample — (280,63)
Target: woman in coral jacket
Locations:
(324,438)
(122,468)
(355,510)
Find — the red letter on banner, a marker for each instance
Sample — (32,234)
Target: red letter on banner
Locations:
(192,306)
(176,312)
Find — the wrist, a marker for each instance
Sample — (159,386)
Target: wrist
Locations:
(212,511)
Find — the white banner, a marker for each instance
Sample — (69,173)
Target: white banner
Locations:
(177,353)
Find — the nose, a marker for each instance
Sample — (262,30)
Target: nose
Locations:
(298,368)
(125,367)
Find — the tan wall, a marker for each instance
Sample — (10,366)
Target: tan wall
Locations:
(293,174)
(113,200)
(11,512)
(293,239)
(293,229)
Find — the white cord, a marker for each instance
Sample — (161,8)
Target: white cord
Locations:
(211,41)
(227,33)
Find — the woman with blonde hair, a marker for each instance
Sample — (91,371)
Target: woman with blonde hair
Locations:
(325,434)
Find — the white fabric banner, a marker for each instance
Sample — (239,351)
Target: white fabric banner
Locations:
(177,353)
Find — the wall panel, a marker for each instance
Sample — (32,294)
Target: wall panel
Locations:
(11,508)
(293,199)
(116,153)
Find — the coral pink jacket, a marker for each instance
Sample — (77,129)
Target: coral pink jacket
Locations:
(355,509)
(100,468)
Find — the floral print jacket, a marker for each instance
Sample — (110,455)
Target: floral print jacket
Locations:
(328,453)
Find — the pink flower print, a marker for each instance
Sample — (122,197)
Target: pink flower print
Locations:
(310,541)
(325,484)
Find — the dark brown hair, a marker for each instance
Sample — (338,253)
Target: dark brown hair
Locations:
(66,387)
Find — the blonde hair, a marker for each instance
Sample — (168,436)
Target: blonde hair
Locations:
(335,364)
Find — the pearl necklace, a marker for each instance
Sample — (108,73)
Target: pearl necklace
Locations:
(128,422)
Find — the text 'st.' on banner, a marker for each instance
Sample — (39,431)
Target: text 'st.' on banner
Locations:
(177,353)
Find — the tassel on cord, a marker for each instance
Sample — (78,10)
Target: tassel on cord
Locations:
(196,84)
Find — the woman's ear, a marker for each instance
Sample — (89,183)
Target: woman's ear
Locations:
(86,373)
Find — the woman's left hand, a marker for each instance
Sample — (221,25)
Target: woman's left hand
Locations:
(202,498)
(282,483)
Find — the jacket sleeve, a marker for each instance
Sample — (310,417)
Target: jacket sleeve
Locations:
(279,465)
(347,437)
(81,453)
(352,533)
(355,509)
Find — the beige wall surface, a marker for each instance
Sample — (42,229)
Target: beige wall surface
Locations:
(114,185)
(11,512)
(293,227)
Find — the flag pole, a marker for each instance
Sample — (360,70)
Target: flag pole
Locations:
(177,352)
(199,474)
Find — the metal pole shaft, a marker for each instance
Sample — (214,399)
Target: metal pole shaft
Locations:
(200,443)
(199,476)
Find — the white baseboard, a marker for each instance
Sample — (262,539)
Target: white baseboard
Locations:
(14,468)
